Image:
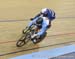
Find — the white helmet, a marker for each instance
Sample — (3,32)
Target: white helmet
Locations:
(44,11)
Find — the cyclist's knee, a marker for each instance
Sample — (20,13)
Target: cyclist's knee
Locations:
(43,36)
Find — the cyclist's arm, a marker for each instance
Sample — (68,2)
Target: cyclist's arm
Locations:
(32,22)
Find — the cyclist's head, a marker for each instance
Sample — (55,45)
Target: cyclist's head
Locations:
(39,20)
(44,11)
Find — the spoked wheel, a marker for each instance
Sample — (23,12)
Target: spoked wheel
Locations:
(23,40)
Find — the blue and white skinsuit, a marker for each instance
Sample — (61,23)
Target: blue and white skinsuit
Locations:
(45,23)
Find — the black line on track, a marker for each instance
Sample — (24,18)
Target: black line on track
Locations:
(65,43)
(9,20)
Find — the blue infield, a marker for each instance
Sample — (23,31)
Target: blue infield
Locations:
(47,54)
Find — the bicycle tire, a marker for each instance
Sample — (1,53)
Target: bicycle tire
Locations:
(23,40)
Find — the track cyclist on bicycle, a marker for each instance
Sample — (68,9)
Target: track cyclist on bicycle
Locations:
(43,21)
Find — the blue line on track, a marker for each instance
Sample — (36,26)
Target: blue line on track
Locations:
(48,53)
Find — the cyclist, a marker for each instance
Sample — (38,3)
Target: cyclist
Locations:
(43,20)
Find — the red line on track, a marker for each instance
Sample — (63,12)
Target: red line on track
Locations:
(47,36)
(7,42)
(62,34)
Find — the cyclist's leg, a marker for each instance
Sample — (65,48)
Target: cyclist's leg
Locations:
(43,36)
(36,39)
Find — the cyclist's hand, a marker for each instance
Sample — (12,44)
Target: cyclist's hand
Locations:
(31,19)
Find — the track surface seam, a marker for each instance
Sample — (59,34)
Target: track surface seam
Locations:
(14,20)
(47,36)
(37,47)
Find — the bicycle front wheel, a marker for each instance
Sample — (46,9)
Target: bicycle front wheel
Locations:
(23,40)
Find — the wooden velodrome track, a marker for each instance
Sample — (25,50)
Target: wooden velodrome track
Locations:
(14,15)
